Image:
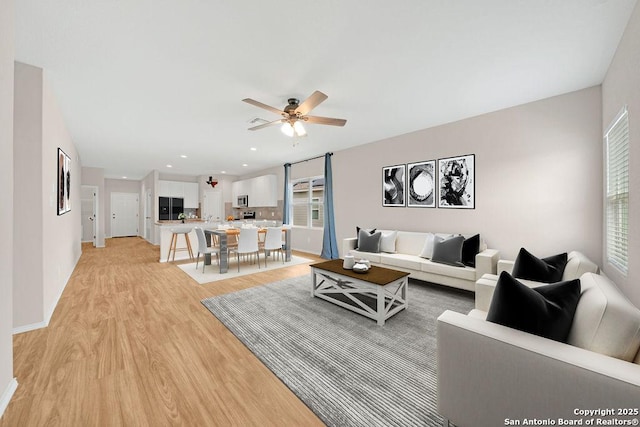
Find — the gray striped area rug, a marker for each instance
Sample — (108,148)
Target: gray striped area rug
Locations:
(346,368)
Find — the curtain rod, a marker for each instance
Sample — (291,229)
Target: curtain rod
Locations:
(311,158)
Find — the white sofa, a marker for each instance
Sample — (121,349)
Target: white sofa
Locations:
(409,245)
(577,265)
(489,373)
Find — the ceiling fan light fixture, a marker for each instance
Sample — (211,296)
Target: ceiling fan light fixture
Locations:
(300,131)
(287,129)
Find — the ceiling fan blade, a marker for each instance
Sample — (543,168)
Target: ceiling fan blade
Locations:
(264,125)
(265,106)
(311,102)
(324,121)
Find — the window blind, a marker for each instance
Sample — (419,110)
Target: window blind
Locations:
(617,198)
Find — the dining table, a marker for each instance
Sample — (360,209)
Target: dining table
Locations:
(223,237)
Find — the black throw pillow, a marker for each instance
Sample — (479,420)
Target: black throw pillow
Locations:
(546,270)
(470,248)
(546,311)
(373,230)
(369,242)
(448,251)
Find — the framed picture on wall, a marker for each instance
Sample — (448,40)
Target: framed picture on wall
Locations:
(393,192)
(456,182)
(421,184)
(64,182)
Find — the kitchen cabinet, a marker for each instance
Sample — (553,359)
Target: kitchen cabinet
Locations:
(184,190)
(262,191)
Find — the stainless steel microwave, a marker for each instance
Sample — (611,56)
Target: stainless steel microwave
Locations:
(243,201)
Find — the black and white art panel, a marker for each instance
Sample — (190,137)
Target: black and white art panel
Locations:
(421,184)
(64,182)
(393,191)
(456,188)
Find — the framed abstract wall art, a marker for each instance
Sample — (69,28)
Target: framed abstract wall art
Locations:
(421,184)
(456,182)
(64,182)
(393,191)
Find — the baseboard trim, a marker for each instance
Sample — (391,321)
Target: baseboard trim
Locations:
(7,395)
(29,327)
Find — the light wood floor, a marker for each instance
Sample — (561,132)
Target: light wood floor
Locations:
(130,344)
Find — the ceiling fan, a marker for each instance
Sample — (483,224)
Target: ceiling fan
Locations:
(295,113)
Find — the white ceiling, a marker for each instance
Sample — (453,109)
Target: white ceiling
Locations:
(142,82)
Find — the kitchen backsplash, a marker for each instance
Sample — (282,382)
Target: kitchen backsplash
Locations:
(268,213)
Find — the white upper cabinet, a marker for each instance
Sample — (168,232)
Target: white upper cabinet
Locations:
(185,190)
(191,195)
(262,191)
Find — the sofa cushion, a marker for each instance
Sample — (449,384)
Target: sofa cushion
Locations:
(412,262)
(577,265)
(427,249)
(369,242)
(388,241)
(448,251)
(546,311)
(410,242)
(470,248)
(464,273)
(547,270)
(605,321)
(370,231)
(373,257)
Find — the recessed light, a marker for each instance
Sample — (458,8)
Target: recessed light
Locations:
(254,149)
(184,156)
(169,166)
(223,171)
(124,177)
(245,165)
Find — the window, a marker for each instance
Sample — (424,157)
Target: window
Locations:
(308,201)
(616,141)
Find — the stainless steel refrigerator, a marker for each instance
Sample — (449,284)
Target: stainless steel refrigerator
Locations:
(170,207)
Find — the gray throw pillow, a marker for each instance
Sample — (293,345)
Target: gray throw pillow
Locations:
(448,251)
(369,242)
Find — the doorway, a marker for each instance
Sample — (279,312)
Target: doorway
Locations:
(124,214)
(212,206)
(89,213)
(148,215)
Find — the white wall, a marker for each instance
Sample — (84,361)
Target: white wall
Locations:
(49,245)
(7,382)
(537,177)
(27,201)
(621,87)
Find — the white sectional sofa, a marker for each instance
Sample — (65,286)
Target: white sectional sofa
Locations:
(409,245)
(577,265)
(489,373)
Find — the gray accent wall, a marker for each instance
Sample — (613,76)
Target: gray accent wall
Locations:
(537,171)
(6,215)
(621,87)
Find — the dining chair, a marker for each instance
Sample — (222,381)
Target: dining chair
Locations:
(247,245)
(204,249)
(273,242)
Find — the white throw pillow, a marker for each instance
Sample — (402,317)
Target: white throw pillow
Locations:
(388,242)
(427,249)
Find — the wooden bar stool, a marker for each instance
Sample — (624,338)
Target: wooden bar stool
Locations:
(174,241)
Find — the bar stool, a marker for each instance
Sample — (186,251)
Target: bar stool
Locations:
(174,241)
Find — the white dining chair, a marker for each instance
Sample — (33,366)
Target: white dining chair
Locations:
(247,245)
(204,249)
(273,242)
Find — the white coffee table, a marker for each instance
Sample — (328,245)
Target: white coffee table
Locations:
(378,294)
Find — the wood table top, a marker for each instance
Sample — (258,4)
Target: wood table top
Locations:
(376,275)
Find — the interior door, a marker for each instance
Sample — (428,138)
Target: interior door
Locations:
(147,216)
(124,214)
(88,210)
(212,205)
